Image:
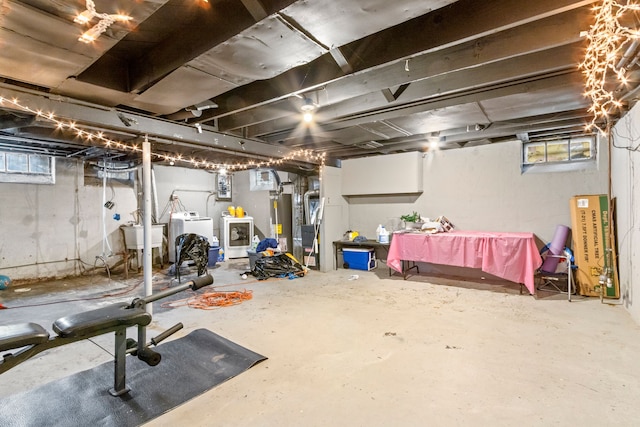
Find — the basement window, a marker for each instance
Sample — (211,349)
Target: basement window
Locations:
(22,168)
(559,155)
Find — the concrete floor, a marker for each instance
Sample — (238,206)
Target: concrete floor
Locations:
(376,351)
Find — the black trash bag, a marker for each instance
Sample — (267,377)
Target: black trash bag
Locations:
(193,247)
(281,265)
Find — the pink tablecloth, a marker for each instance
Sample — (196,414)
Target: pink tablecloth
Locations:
(511,256)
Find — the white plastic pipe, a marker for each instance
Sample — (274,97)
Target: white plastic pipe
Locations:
(146,215)
(155,196)
(102,208)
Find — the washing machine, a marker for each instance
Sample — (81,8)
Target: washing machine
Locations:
(236,236)
(188,222)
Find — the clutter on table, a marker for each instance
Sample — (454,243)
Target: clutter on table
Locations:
(412,221)
(350,235)
(422,224)
(382,235)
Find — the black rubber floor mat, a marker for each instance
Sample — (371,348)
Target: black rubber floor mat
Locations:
(190,366)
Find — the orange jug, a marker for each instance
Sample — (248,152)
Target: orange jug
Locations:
(240,212)
(232,210)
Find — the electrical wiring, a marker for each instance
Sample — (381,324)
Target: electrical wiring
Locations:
(109,295)
(113,192)
(106,265)
(212,300)
(216,298)
(630,131)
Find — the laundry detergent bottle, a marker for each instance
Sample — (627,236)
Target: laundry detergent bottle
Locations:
(384,235)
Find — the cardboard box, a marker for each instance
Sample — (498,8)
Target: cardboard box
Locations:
(446,224)
(592,249)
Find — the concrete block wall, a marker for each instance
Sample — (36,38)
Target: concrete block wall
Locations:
(56,230)
(482,188)
(625,163)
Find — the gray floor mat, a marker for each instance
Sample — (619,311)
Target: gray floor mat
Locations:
(190,366)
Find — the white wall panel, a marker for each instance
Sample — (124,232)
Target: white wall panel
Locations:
(625,181)
(392,174)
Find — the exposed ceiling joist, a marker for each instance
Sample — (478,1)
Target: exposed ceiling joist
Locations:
(382,76)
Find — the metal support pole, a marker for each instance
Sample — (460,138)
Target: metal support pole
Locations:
(146,215)
(104,201)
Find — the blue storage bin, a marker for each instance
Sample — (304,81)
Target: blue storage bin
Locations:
(214,252)
(359,258)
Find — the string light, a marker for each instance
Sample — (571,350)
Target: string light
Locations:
(105,22)
(308,156)
(606,37)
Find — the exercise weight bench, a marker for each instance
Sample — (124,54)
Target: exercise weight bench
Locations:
(29,339)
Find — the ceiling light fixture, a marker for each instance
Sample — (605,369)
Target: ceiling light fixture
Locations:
(105,22)
(308,108)
(434,140)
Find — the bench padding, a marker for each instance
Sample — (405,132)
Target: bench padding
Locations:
(21,335)
(101,320)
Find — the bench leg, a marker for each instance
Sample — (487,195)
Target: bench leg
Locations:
(120,364)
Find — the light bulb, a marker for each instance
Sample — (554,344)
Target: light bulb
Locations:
(90,35)
(121,18)
(308,117)
(84,17)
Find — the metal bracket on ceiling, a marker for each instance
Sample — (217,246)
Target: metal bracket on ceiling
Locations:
(393,96)
(335,52)
(256,9)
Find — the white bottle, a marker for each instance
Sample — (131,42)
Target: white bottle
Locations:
(380,227)
(255,242)
(384,236)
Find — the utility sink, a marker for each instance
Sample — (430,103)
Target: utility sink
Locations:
(134,236)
